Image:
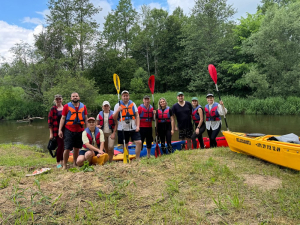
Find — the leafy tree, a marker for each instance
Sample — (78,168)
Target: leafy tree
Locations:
(119,27)
(67,84)
(208,40)
(242,60)
(71,24)
(275,47)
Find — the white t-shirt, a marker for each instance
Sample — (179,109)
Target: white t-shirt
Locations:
(122,124)
(215,124)
(105,123)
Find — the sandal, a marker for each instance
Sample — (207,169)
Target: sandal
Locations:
(59,166)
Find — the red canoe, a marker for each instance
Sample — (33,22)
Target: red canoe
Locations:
(221,142)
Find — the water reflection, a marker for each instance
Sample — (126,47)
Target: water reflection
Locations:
(37,133)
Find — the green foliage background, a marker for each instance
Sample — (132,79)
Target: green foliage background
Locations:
(256,57)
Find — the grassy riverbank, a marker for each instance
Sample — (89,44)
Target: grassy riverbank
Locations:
(188,187)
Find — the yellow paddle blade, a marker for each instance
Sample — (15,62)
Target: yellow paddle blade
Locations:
(117,82)
(126,156)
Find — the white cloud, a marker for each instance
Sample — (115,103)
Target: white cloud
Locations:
(32,20)
(12,34)
(186,5)
(106,8)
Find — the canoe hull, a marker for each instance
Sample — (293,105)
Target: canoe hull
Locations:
(280,153)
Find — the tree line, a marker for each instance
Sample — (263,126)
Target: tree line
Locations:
(256,56)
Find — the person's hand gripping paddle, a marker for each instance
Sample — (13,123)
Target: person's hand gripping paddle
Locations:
(151,84)
(213,74)
(117,85)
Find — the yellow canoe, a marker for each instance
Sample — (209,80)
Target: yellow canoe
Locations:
(99,161)
(280,153)
(119,157)
(104,158)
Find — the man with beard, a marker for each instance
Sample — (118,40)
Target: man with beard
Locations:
(130,122)
(183,112)
(74,117)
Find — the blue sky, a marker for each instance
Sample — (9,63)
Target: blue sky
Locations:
(20,19)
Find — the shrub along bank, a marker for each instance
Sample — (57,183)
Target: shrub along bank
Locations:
(14,107)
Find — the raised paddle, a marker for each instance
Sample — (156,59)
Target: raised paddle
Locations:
(151,84)
(117,85)
(213,74)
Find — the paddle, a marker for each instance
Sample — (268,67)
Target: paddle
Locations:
(151,84)
(117,85)
(213,74)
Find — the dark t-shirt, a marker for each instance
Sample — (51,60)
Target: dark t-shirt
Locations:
(183,115)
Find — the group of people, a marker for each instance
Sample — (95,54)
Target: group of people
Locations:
(67,124)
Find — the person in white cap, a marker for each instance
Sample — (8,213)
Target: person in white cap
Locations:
(93,143)
(130,122)
(106,123)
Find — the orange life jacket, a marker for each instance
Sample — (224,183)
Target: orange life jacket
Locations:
(128,113)
(75,117)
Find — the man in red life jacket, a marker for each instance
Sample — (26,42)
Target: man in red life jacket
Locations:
(93,143)
(130,122)
(74,117)
(146,113)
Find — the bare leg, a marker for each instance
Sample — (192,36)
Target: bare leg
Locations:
(66,157)
(89,156)
(75,155)
(148,152)
(110,155)
(189,143)
(80,160)
(138,145)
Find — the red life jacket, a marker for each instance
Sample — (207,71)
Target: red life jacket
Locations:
(163,116)
(111,121)
(75,117)
(195,114)
(213,115)
(146,116)
(90,137)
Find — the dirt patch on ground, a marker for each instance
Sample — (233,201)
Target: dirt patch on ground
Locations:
(262,182)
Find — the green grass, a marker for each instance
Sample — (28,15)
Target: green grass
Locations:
(23,155)
(212,186)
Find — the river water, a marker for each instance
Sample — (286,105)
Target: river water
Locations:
(37,132)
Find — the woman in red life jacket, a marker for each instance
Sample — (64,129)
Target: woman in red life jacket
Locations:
(105,121)
(198,118)
(213,112)
(165,124)
(53,121)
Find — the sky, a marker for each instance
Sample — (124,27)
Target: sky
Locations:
(21,19)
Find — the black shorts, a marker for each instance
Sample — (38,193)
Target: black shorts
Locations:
(72,139)
(146,132)
(185,133)
(135,136)
(82,152)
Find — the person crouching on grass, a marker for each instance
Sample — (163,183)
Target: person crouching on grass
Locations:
(93,143)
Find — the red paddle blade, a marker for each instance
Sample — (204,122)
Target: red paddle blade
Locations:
(151,83)
(213,72)
(157,151)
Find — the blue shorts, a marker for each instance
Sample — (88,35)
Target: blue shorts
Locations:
(82,152)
